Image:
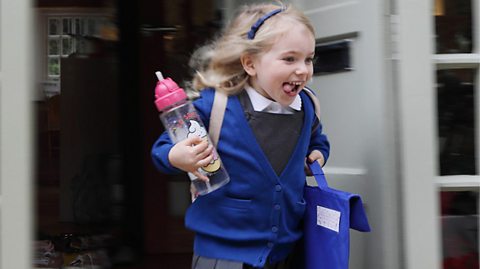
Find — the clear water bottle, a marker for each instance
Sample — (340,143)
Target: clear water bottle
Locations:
(181,120)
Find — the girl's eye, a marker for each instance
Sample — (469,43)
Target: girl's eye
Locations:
(289,59)
(310,60)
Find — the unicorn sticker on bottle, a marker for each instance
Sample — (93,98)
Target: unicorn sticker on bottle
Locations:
(196,130)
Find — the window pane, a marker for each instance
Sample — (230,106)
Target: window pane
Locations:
(53,46)
(456,117)
(67,46)
(459,222)
(78,26)
(453,23)
(67,26)
(54,66)
(53,26)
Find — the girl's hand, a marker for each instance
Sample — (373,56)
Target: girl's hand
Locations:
(191,154)
(317,156)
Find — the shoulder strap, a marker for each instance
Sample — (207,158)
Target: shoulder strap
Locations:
(216,116)
(315,101)
(218,110)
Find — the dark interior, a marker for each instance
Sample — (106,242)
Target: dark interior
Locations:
(97,191)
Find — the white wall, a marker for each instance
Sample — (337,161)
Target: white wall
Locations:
(358,109)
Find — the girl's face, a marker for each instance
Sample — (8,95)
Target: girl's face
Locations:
(281,72)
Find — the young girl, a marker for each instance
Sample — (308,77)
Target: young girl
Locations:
(262,61)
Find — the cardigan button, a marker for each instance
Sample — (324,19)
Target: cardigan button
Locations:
(278,188)
(270,245)
(274,229)
(277,207)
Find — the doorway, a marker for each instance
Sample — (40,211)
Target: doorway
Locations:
(97,193)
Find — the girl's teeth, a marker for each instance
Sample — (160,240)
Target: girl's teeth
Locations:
(292,87)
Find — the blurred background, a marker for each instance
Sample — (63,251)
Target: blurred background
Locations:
(399,86)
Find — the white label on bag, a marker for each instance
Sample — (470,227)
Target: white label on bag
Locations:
(328,218)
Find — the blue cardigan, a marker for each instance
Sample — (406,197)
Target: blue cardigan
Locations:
(255,217)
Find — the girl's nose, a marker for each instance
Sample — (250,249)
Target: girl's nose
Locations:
(301,69)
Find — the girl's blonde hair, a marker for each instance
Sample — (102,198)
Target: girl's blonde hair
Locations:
(218,64)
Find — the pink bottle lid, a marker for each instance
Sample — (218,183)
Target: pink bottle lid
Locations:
(167,93)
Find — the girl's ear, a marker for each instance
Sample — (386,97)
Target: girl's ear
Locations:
(248,64)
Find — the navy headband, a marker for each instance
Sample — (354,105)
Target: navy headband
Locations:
(259,22)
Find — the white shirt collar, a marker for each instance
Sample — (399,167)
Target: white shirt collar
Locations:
(262,104)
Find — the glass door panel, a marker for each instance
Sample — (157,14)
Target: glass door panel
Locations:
(457,36)
(459,221)
(456,118)
(453,21)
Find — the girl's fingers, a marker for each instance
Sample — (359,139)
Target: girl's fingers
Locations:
(314,155)
(196,153)
(200,176)
(205,152)
(200,147)
(197,145)
(192,140)
(205,161)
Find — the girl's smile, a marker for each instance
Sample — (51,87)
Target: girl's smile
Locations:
(291,88)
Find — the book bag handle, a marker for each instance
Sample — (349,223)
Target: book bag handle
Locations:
(218,111)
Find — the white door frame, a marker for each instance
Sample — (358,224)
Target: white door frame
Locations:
(418,150)
(15,134)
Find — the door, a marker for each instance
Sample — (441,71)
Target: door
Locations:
(457,119)
(15,134)
(356,99)
(439,103)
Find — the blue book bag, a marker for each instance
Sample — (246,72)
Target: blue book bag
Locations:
(329,215)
